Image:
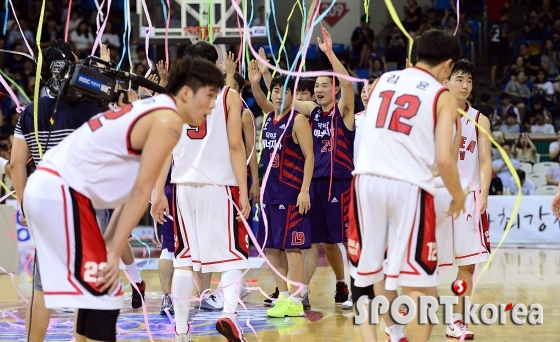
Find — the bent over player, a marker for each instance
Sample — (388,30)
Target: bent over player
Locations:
(112,161)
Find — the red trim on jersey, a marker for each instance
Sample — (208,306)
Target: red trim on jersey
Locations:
(412,234)
(476,127)
(172,98)
(133,123)
(48,170)
(470,255)
(333,109)
(67,233)
(424,70)
(224,103)
(445,265)
(441,90)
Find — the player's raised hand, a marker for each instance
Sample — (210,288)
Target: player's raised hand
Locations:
(303,202)
(160,207)
(245,207)
(231,64)
(110,275)
(162,69)
(555,206)
(104,53)
(263,68)
(254,73)
(327,44)
(458,205)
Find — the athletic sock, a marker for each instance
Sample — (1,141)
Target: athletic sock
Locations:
(396,332)
(181,288)
(296,300)
(285,293)
(457,317)
(231,292)
(304,291)
(132,271)
(341,281)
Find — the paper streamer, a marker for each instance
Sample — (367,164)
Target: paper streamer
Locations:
(6,18)
(147,43)
(458,18)
(67,21)
(38,78)
(21,31)
(16,85)
(399,24)
(101,30)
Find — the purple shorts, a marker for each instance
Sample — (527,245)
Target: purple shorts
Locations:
(329,215)
(287,228)
(167,231)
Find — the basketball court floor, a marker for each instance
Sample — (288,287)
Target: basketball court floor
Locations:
(515,276)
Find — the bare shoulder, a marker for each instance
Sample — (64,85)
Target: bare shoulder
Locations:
(233,97)
(167,121)
(483,120)
(445,101)
(301,119)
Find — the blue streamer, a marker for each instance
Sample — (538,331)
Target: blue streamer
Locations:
(252,13)
(273,11)
(164,10)
(6,18)
(126,29)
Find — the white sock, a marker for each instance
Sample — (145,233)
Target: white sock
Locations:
(457,317)
(341,281)
(231,293)
(285,293)
(304,291)
(132,271)
(396,332)
(181,288)
(296,300)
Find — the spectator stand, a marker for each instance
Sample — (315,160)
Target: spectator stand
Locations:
(541,141)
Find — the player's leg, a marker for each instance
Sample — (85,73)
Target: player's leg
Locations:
(37,316)
(367,331)
(165,265)
(88,323)
(132,270)
(310,260)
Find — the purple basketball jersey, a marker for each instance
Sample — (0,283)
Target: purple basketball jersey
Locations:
(286,173)
(337,151)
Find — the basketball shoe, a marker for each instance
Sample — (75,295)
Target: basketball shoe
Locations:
(274,296)
(138,297)
(305,302)
(457,329)
(402,313)
(348,305)
(285,307)
(209,302)
(183,337)
(166,303)
(227,326)
(341,293)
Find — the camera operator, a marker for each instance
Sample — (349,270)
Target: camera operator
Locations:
(52,129)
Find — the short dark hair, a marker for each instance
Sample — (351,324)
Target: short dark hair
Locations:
(521,175)
(306,84)
(336,81)
(57,50)
(504,96)
(371,80)
(484,97)
(464,67)
(280,81)
(202,49)
(512,115)
(240,80)
(437,46)
(414,52)
(194,73)
(364,18)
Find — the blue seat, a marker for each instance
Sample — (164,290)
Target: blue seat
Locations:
(474,28)
(363,73)
(441,5)
(338,48)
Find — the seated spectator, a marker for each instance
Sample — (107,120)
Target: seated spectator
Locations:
(531,63)
(82,39)
(519,92)
(533,27)
(524,150)
(396,52)
(554,34)
(517,67)
(550,59)
(505,108)
(553,175)
(540,126)
(413,17)
(500,139)
(110,38)
(511,126)
(14,36)
(483,105)
(496,186)
(377,68)
(546,14)
(527,185)
(501,169)
(498,46)
(362,42)
(429,22)
(538,106)
(554,148)
(543,87)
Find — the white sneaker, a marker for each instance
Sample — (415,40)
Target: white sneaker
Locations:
(457,329)
(348,305)
(183,337)
(243,291)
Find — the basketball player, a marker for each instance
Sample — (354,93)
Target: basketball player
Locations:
(209,173)
(409,123)
(110,162)
(465,241)
(167,256)
(286,195)
(305,90)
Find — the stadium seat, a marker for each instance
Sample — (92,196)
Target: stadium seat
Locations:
(542,168)
(538,179)
(338,48)
(528,168)
(546,190)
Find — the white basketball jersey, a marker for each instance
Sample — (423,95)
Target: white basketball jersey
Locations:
(97,159)
(202,154)
(468,162)
(359,119)
(400,125)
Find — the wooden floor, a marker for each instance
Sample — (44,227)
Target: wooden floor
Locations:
(515,276)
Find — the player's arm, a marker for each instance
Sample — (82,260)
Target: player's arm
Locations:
(237,149)
(160,205)
(18,166)
(484,161)
(445,159)
(162,135)
(251,153)
(302,134)
(263,69)
(457,140)
(229,69)
(255,79)
(346,103)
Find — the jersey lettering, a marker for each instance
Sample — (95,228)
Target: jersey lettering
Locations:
(95,122)
(197,133)
(298,238)
(432,251)
(408,106)
(471,147)
(91,269)
(275,159)
(327,146)
(393,79)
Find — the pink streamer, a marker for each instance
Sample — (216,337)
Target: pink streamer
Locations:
(150,28)
(67,21)
(101,30)
(21,31)
(167,20)
(14,283)
(19,107)
(457,28)
(144,311)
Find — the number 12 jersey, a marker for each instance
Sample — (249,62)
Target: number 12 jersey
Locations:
(398,140)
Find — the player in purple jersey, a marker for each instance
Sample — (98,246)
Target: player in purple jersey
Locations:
(330,187)
(165,265)
(286,199)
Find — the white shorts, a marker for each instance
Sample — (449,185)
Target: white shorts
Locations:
(208,236)
(167,255)
(397,219)
(69,243)
(462,241)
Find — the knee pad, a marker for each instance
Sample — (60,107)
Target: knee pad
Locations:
(358,292)
(99,325)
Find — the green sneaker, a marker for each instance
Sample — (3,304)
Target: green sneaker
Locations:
(285,307)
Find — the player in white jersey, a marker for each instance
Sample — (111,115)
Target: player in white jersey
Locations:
(409,124)
(465,241)
(111,161)
(359,119)
(210,173)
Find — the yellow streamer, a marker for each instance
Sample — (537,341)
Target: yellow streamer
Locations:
(517,204)
(38,80)
(8,190)
(399,24)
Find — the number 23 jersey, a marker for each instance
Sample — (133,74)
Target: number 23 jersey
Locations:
(398,140)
